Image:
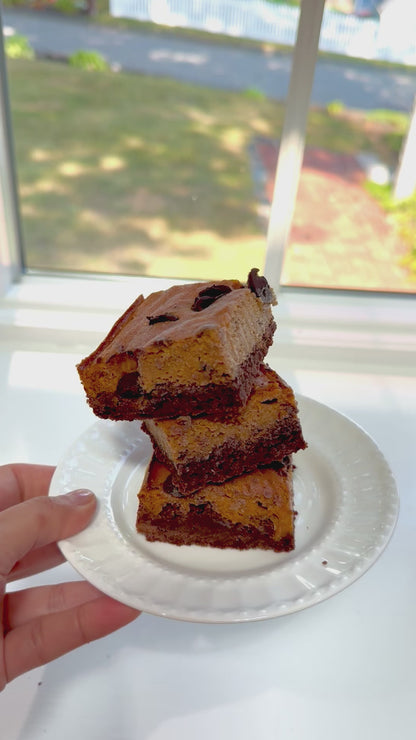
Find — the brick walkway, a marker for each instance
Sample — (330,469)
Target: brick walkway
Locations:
(340,236)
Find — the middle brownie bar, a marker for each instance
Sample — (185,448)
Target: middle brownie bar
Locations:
(200,450)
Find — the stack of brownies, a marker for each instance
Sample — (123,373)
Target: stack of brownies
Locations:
(188,361)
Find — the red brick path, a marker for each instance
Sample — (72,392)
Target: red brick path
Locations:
(340,236)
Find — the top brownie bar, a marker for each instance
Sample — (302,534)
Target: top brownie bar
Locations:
(191,349)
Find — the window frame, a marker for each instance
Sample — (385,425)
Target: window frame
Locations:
(11,241)
(12,261)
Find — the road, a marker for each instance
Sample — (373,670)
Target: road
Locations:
(356,85)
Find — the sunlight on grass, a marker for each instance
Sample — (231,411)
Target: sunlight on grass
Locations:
(49,186)
(133,142)
(202,117)
(96,220)
(233,140)
(188,254)
(71,169)
(156,229)
(111,163)
(28,210)
(43,186)
(140,175)
(41,155)
(261,126)
(218,164)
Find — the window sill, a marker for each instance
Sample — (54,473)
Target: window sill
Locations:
(315,328)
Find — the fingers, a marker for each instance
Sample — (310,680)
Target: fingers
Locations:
(44,623)
(36,561)
(21,607)
(39,522)
(49,636)
(20,481)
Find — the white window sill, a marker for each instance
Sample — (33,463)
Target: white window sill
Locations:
(314,327)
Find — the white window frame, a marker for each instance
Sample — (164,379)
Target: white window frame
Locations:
(11,252)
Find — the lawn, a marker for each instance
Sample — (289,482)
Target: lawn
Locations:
(139,175)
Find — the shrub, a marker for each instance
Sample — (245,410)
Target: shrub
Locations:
(67,7)
(403,213)
(90,60)
(18,47)
(254,93)
(335,108)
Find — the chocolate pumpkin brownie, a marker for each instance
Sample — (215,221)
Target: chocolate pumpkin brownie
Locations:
(201,450)
(191,349)
(254,510)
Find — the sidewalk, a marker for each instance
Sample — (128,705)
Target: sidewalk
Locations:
(340,236)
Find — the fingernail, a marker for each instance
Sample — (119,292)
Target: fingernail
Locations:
(80,497)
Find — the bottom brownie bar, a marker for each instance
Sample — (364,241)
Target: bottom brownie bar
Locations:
(254,510)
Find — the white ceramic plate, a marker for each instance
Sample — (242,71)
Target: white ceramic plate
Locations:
(347,507)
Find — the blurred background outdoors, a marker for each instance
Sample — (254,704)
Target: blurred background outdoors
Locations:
(147,133)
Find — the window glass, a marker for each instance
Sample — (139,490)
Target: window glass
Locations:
(121,171)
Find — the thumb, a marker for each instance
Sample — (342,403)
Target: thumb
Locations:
(41,521)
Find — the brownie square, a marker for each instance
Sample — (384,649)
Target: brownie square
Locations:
(254,510)
(201,450)
(191,349)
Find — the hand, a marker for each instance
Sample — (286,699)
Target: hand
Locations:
(42,623)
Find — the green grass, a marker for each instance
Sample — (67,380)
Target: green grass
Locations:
(123,172)
(141,175)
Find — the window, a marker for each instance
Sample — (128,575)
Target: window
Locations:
(126,174)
